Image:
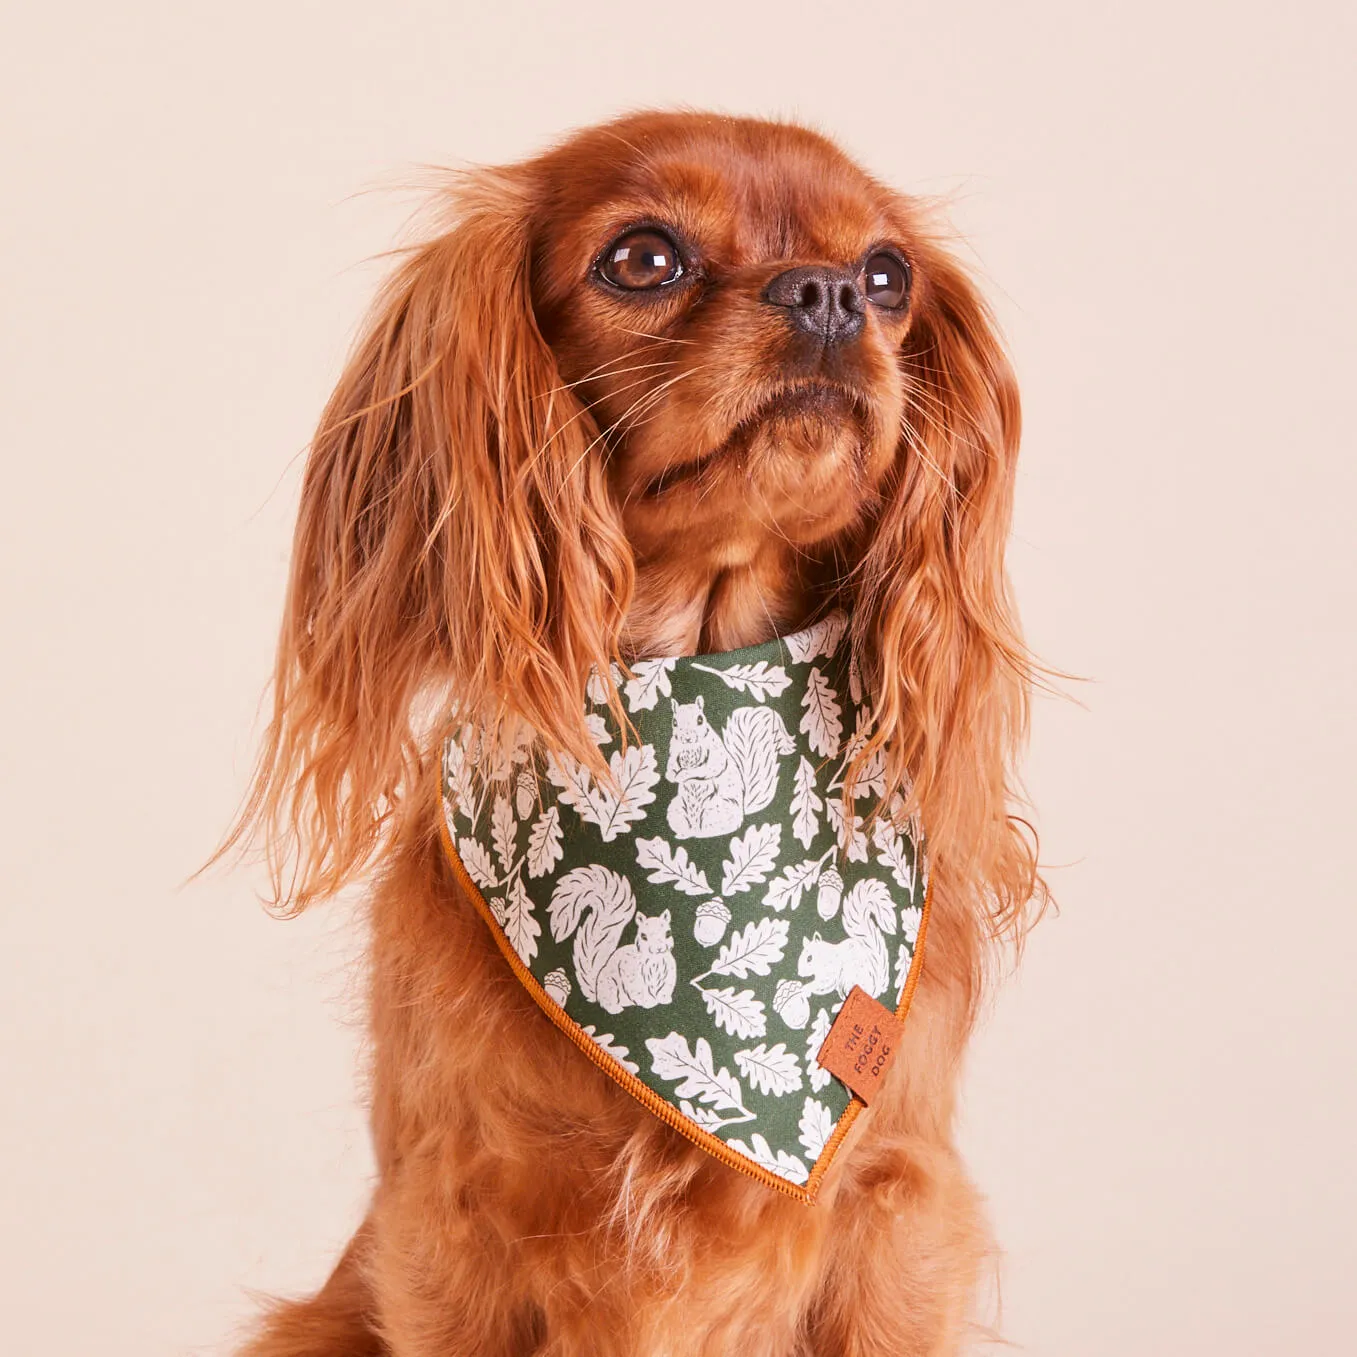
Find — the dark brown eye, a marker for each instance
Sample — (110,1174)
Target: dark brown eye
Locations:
(885,280)
(640,260)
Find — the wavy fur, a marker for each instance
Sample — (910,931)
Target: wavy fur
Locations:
(513,486)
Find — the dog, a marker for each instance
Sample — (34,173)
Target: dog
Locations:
(678,385)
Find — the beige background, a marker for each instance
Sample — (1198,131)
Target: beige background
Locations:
(1161,1107)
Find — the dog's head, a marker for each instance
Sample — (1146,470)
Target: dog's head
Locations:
(729,299)
(675,385)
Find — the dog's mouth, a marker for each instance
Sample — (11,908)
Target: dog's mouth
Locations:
(806,400)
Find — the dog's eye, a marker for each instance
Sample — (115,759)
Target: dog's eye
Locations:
(640,260)
(885,280)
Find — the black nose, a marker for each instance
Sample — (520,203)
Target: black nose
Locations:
(822,301)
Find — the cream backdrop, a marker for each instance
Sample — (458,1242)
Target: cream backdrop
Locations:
(1161,1106)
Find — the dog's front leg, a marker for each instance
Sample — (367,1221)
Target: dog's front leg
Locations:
(902,1261)
(444,1285)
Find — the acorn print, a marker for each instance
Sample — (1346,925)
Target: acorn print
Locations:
(791,1003)
(829,893)
(557,986)
(525,793)
(709,925)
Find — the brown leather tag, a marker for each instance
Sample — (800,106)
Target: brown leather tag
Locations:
(862,1043)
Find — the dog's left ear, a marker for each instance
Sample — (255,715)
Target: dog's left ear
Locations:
(455,535)
(933,620)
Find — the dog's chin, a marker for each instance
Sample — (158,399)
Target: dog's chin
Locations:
(795,473)
(797,436)
(807,473)
(811,421)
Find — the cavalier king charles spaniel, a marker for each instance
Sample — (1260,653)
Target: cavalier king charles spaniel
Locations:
(682,384)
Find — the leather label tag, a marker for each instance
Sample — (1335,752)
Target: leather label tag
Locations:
(862,1043)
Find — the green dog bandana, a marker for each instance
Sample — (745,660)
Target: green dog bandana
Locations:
(696,926)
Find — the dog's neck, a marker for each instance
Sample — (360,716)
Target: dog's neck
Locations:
(691,602)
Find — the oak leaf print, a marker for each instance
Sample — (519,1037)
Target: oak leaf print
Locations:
(649,683)
(752,856)
(771,1069)
(635,774)
(604,1041)
(544,843)
(806,804)
(742,1014)
(904,958)
(597,688)
(819,640)
(853,839)
(662,863)
(819,1029)
(754,950)
(457,774)
(893,852)
(671,1058)
(760,681)
(574,783)
(911,918)
(870,778)
(480,866)
(821,719)
(502,831)
(616,808)
(816,1126)
(705,1117)
(862,730)
(520,927)
(598,729)
(786,889)
(785,1165)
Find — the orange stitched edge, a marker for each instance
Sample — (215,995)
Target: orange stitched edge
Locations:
(642,1092)
(855,1105)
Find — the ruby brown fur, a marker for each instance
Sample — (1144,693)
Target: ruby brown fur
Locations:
(521,479)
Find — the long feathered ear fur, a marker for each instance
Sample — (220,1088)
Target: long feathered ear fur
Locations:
(454,535)
(933,616)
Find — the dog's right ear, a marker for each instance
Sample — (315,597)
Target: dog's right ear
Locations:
(455,542)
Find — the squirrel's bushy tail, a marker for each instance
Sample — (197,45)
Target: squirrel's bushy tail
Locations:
(595,904)
(756,739)
(868,916)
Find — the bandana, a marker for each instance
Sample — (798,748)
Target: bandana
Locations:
(695,925)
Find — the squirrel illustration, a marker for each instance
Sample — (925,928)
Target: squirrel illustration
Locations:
(641,972)
(596,905)
(862,958)
(722,777)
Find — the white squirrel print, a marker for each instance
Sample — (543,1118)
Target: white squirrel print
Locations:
(722,776)
(596,905)
(862,958)
(641,973)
